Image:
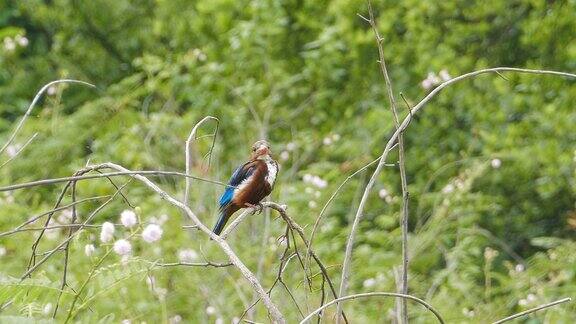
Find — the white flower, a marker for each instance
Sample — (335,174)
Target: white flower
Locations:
(22,40)
(152,233)
(235,320)
(531,297)
(368,283)
(495,163)
(319,182)
(327,141)
(448,189)
(89,249)
(444,75)
(51,90)
(431,80)
(126,321)
(2,251)
(219,320)
(519,267)
(122,247)
(9,44)
(427,84)
(291,146)
(187,255)
(175,319)
(312,204)
(522,302)
(210,310)
(12,150)
(284,156)
(107,232)
(317,194)
(47,309)
(128,218)
(383,193)
(315,180)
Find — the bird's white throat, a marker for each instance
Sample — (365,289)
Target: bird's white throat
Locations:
(272,171)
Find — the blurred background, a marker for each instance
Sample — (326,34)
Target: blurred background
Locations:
(490,161)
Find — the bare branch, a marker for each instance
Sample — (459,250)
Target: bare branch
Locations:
(19,150)
(105,175)
(391,142)
(374,294)
(194,264)
(402,166)
(236,221)
(405,194)
(61,245)
(248,275)
(188,150)
(35,218)
(532,310)
(31,107)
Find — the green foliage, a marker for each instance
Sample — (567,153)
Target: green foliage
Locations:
(491,161)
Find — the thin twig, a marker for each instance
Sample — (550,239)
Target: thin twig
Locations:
(402,167)
(195,264)
(532,310)
(374,294)
(282,210)
(188,149)
(19,150)
(61,245)
(236,222)
(248,275)
(35,218)
(393,139)
(34,101)
(105,175)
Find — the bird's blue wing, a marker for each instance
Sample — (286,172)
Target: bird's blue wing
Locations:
(240,174)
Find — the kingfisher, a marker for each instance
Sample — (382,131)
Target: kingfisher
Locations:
(249,184)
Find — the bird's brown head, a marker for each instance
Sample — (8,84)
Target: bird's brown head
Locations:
(260,150)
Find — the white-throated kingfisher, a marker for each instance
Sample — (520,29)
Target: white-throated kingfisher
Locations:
(249,184)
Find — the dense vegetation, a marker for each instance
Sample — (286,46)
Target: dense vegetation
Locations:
(490,161)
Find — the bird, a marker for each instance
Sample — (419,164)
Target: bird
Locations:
(250,183)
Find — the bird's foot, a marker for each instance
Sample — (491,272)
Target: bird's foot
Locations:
(258,208)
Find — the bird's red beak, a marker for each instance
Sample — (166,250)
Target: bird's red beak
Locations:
(263,150)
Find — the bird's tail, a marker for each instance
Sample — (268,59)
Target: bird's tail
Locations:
(222,219)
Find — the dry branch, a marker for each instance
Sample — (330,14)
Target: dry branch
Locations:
(532,310)
(394,138)
(104,175)
(33,104)
(374,294)
(191,138)
(248,275)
